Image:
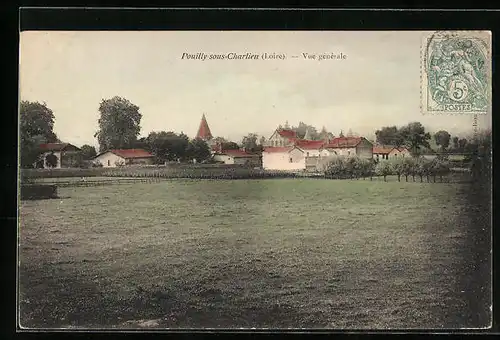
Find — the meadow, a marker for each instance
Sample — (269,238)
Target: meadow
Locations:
(275,253)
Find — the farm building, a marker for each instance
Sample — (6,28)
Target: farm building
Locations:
(307,154)
(118,157)
(347,146)
(386,152)
(237,157)
(66,155)
(291,158)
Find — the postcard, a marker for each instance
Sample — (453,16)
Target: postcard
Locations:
(336,180)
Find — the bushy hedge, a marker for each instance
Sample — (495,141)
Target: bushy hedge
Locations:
(198,173)
(355,167)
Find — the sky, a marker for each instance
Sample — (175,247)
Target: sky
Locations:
(377,84)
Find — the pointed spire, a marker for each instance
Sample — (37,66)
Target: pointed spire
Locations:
(341,134)
(307,135)
(204,131)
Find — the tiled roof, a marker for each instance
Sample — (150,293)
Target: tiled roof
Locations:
(343,142)
(384,149)
(204,131)
(287,133)
(309,144)
(131,153)
(55,146)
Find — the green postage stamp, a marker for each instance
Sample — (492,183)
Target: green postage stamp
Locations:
(456,72)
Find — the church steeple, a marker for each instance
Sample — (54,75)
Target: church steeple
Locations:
(204,131)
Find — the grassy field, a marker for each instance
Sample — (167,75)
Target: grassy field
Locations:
(256,253)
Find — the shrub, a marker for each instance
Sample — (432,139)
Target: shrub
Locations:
(384,168)
(439,167)
(408,168)
(397,165)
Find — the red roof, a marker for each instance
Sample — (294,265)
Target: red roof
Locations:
(382,150)
(131,153)
(204,131)
(287,133)
(56,146)
(387,149)
(344,142)
(309,144)
(237,153)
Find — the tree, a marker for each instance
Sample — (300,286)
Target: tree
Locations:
(230,146)
(198,149)
(455,142)
(442,139)
(415,137)
(262,141)
(302,128)
(389,135)
(351,167)
(384,168)
(440,167)
(335,167)
(398,167)
(462,143)
(141,143)
(168,146)
(36,126)
(367,167)
(88,152)
(421,166)
(249,142)
(51,160)
(408,168)
(119,124)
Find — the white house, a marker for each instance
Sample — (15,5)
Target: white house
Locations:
(237,157)
(290,158)
(117,157)
(67,155)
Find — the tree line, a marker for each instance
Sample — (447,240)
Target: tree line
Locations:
(340,167)
(417,140)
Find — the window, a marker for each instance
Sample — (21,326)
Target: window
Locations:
(291,160)
(109,162)
(348,153)
(308,154)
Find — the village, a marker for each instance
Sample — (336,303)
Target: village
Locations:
(284,150)
(157,192)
